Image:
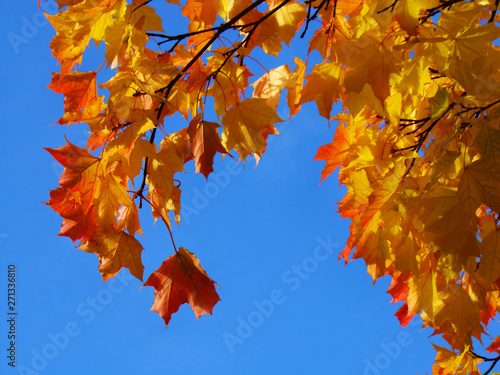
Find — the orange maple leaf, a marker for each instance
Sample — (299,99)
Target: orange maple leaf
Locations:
(205,144)
(115,249)
(73,200)
(75,161)
(80,95)
(181,279)
(334,153)
(79,89)
(494,346)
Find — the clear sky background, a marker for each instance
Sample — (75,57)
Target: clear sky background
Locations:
(250,227)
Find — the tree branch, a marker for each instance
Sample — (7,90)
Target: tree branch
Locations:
(391,7)
(486,359)
(310,18)
(433,11)
(168,89)
(423,135)
(494,12)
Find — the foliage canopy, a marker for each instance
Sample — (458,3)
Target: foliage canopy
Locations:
(417,141)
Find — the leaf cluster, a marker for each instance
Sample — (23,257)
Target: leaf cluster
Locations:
(417,142)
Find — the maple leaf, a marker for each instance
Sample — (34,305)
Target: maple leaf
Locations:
(323,87)
(243,124)
(459,309)
(272,83)
(408,13)
(128,217)
(373,248)
(205,143)
(205,11)
(374,64)
(79,89)
(231,79)
(294,93)
(112,196)
(75,161)
(493,347)
(480,184)
(74,199)
(489,266)
(115,249)
(336,152)
(80,95)
(180,279)
(357,101)
(288,18)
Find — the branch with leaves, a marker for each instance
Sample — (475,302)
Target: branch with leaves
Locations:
(417,138)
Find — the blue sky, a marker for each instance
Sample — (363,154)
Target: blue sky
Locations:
(250,227)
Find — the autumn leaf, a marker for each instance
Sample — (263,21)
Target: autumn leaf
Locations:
(489,266)
(494,346)
(243,124)
(80,95)
(295,92)
(128,218)
(180,279)
(79,89)
(272,83)
(74,199)
(116,249)
(288,19)
(322,86)
(205,143)
(336,152)
(112,195)
(75,161)
(480,184)
(460,310)
(408,13)
(373,63)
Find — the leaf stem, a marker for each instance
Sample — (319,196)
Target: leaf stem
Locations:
(164,221)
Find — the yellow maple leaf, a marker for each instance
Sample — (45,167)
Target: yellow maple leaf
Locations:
(323,86)
(243,124)
(272,83)
(116,249)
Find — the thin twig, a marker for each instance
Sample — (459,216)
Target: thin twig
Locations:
(164,221)
(391,7)
(169,87)
(246,40)
(433,11)
(310,18)
(494,12)
(486,359)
